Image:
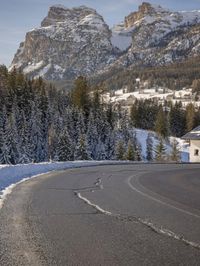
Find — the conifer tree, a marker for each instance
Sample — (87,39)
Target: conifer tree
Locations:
(80,94)
(23,141)
(161,125)
(149,148)
(3,117)
(110,115)
(36,135)
(160,151)
(175,155)
(190,117)
(138,152)
(130,154)
(109,143)
(64,149)
(177,120)
(120,150)
(81,151)
(100,150)
(10,152)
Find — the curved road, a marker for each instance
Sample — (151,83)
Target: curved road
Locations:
(107,215)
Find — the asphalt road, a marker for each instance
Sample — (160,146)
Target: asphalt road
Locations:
(106,215)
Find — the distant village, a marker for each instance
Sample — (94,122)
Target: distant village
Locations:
(160,94)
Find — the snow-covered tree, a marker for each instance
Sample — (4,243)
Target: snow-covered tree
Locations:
(65,147)
(130,153)
(138,152)
(149,148)
(160,151)
(81,151)
(120,150)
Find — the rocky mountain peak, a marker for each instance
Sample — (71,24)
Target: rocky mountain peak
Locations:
(144,9)
(59,13)
(69,43)
(77,41)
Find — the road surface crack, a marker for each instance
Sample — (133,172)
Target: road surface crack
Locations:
(155,228)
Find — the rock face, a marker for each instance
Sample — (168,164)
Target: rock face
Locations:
(158,36)
(69,42)
(144,9)
(72,42)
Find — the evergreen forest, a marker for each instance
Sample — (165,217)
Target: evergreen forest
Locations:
(40,123)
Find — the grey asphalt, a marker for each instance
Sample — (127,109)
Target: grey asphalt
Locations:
(152,217)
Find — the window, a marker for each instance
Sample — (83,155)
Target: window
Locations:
(196,152)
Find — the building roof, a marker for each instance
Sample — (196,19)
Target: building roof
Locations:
(193,135)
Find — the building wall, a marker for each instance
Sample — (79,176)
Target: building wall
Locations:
(194,147)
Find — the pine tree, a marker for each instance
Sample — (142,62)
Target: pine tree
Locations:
(80,94)
(177,120)
(160,151)
(10,152)
(190,117)
(36,135)
(134,115)
(124,126)
(3,117)
(138,152)
(109,146)
(161,125)
(110,115)
(100,150)
(149,149)
(175,155)
(24,144)
(120,150)
(81,151)
(64,149)
(130,154)
(92,137)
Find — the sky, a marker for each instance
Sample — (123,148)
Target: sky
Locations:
(19,16)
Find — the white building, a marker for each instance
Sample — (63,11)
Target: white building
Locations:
(194,139)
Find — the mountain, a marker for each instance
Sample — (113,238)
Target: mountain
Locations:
(69,42)
(72,42)
(160,36)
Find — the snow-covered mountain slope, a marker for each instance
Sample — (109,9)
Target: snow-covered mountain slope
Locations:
(159,36)
(69,42)
(72,42)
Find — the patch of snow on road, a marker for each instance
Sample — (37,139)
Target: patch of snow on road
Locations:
(92,204)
